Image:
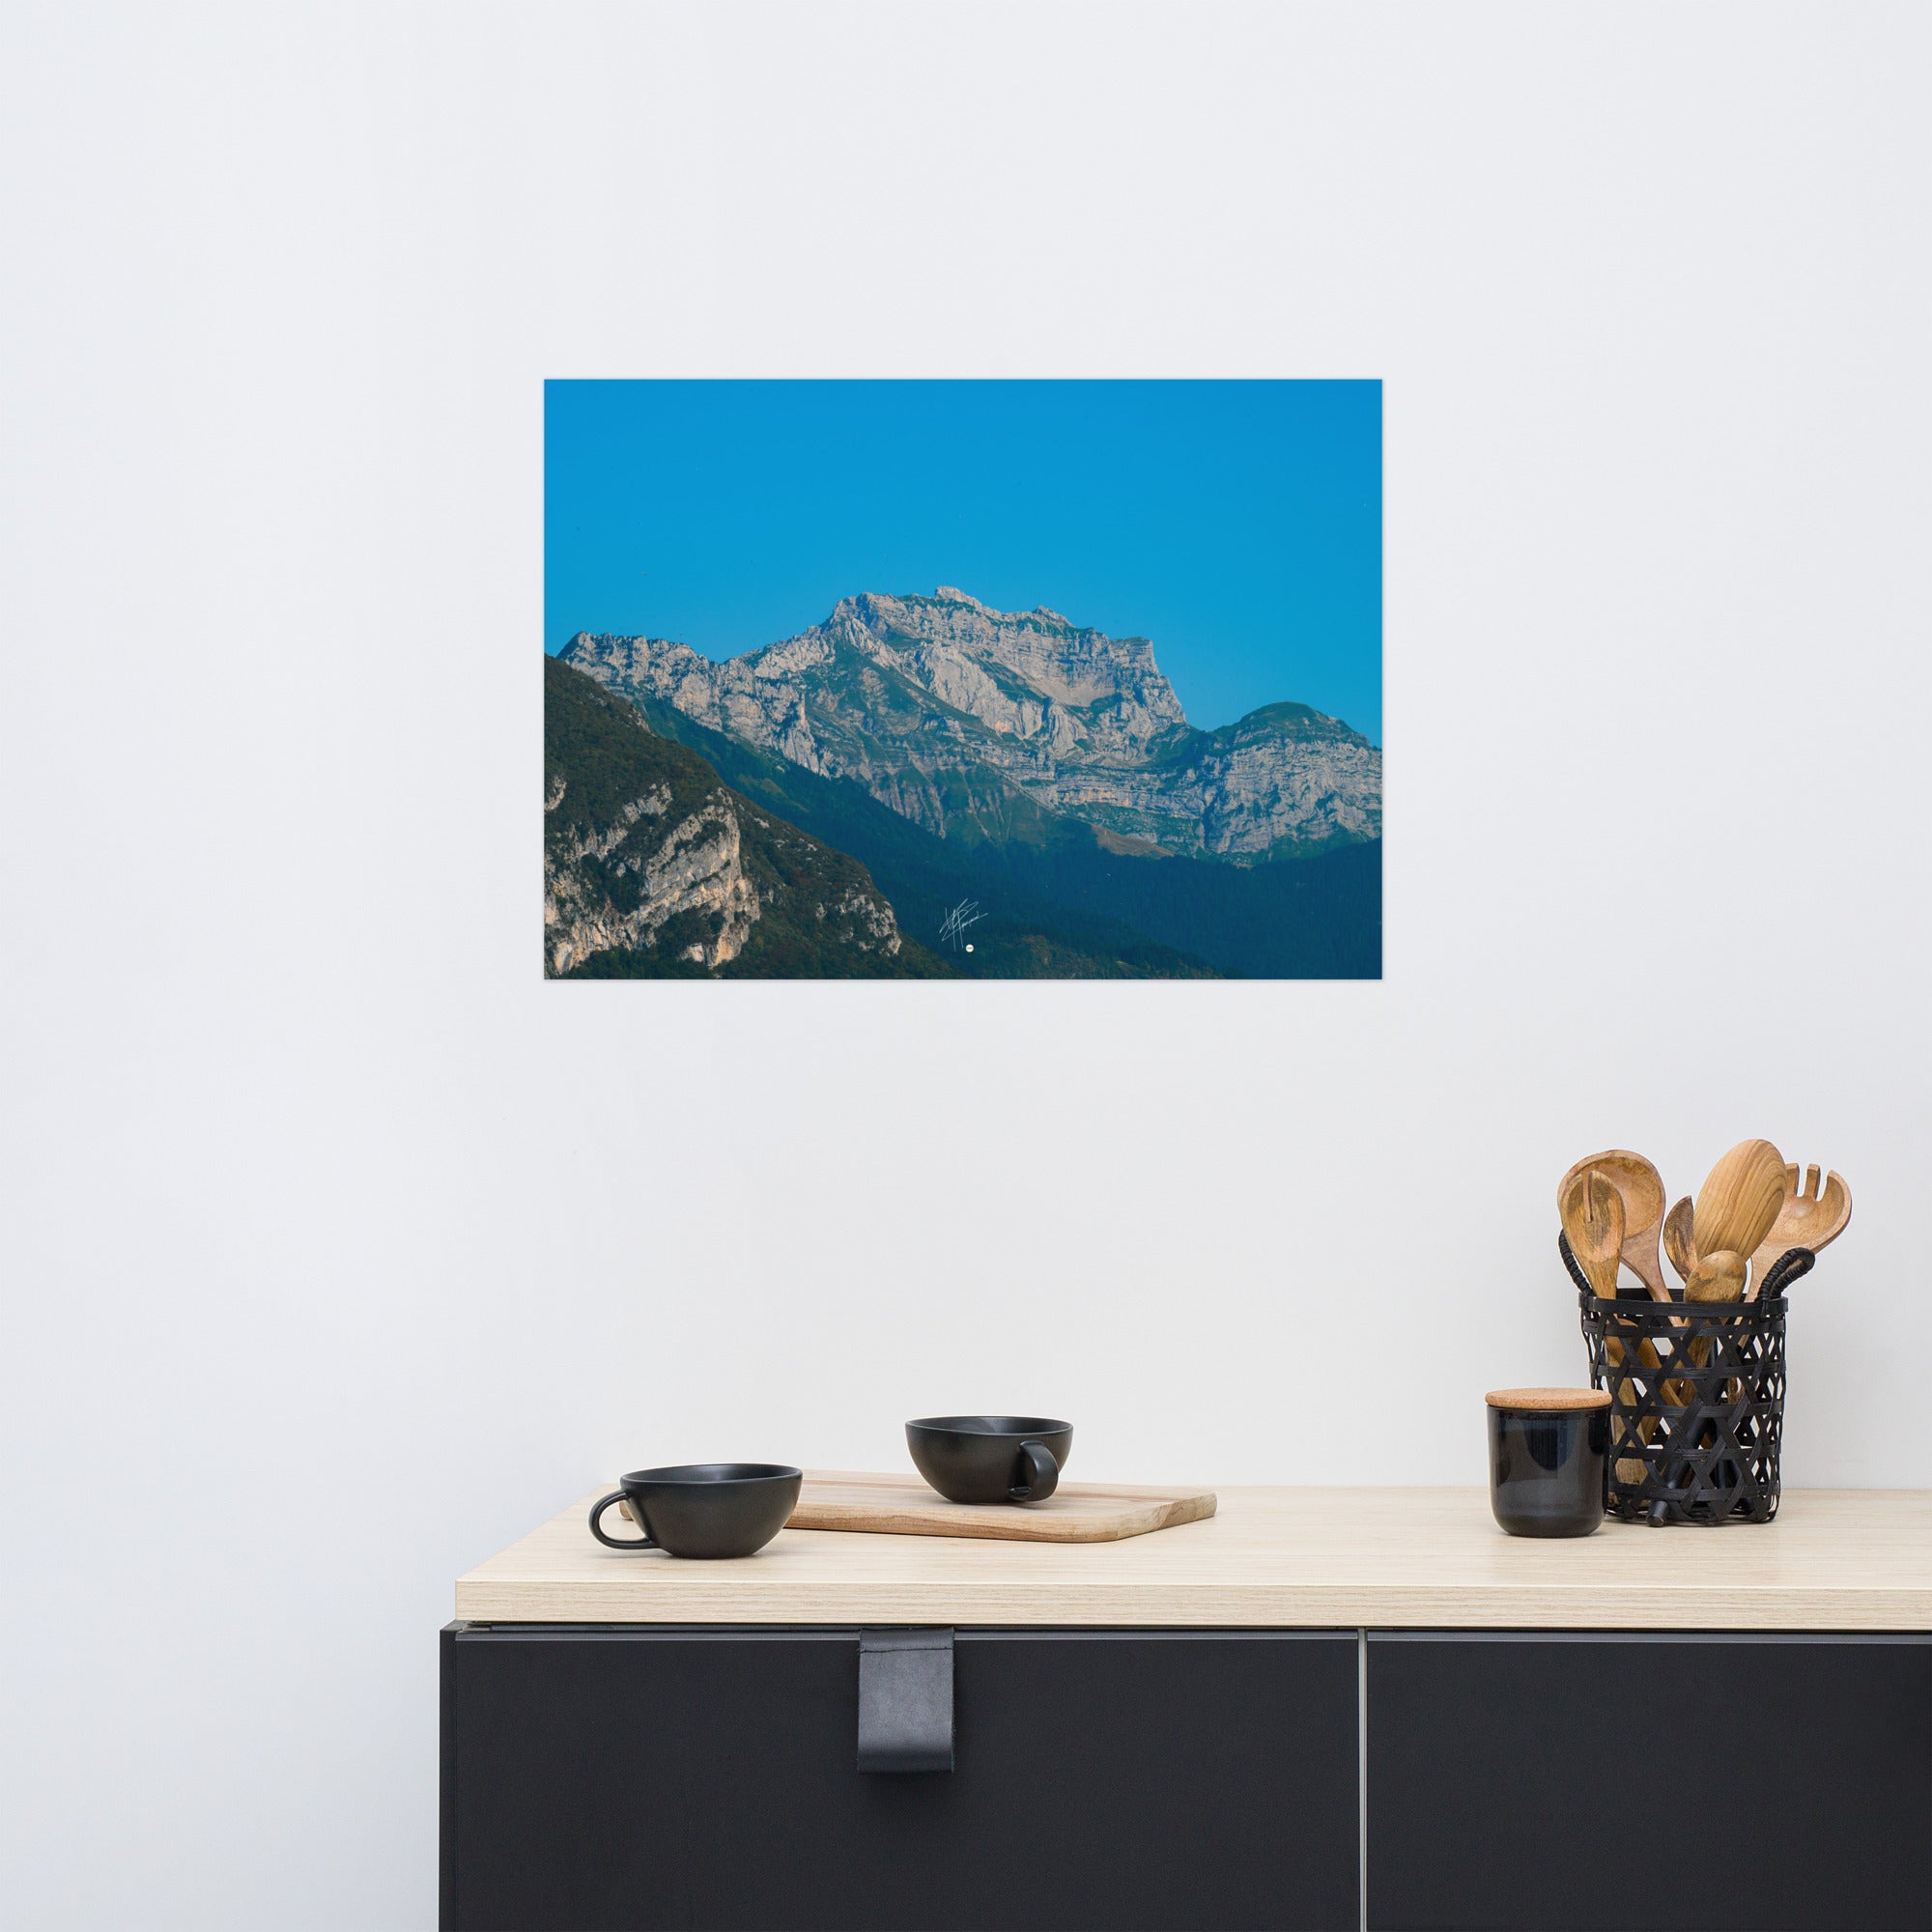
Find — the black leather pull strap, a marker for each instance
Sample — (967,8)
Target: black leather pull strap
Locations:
(905,1700)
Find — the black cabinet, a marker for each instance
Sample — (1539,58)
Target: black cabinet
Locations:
(607,1776)
(604,1777)
(1567,1782)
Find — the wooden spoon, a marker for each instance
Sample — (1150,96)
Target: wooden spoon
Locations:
(1807,1217)
(1593,1218)
(1739,1201)
(1641,1187)
(1718,1277)
(1680,1242)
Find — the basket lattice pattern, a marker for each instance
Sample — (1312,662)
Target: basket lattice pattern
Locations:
(1697,1406)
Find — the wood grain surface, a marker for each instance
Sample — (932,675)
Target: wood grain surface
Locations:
(898,1505)
(1844,1559)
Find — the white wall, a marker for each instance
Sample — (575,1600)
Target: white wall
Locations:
(339,1248)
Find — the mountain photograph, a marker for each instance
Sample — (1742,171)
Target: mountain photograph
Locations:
(927,786)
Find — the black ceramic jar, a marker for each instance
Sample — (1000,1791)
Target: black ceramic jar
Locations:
(1549,1459)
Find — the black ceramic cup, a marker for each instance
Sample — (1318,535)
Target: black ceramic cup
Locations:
(702,1509)
(990,1458)
(1549,1459)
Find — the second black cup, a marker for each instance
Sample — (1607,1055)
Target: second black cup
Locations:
(990,1458)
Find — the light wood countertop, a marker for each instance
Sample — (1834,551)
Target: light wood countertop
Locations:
(1835,1560)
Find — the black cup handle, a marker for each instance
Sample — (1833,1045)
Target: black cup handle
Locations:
(1042,1474)
(597,1510)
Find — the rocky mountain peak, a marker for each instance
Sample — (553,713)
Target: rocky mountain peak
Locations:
(939,637)
(906,694)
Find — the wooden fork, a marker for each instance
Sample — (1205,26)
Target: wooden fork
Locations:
(1809,1217)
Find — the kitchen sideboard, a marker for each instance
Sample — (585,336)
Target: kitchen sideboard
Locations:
(1319,1708)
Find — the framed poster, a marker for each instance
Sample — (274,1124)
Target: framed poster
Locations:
(963,680)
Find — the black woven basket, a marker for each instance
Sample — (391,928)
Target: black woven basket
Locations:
(1696,1400)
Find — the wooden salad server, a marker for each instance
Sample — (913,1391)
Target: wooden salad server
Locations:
(1641,1189)
(1809,1216)
(1592,1211)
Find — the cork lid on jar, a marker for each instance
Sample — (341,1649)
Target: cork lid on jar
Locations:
(1548,1401)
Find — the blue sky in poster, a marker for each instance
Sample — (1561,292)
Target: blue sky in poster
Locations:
(1237,524)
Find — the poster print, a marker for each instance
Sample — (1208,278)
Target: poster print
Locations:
(963,680)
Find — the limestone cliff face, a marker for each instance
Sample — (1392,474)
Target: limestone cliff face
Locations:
(692,867)
(959,716)
(653,867)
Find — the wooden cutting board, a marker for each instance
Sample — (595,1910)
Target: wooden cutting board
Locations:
(1075,1513)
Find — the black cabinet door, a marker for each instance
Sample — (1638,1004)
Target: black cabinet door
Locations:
(1609,1783)
(604,1778)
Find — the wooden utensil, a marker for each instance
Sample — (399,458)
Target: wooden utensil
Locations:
(1628,1471)
(1593,1223)
(1736,1207)
(1641,1189)
(1739,1199)
(1718,1277)
(1593,1218)
(1680,1242)
(1808,1217)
